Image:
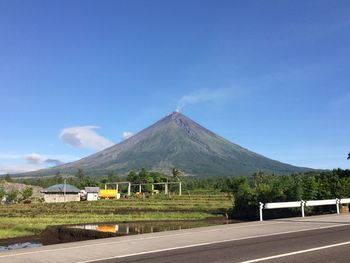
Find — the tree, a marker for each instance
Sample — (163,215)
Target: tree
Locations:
(2,193)
(348,156)
(258,178)
(132,177)
(176,174)
(113,177)
(57,179)
(80,174)
(13,195)
(233,184)
(27,192)
(310,188)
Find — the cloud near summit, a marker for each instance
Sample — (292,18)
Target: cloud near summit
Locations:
(205,95)
(127,135)
(35,158)
(84,137)
(19,163)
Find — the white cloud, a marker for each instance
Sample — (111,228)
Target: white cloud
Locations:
(34,158)
(37,158)
(19,163)
(84,137)
(127,135)
(204,95)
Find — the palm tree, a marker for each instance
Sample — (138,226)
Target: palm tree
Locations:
(176,174)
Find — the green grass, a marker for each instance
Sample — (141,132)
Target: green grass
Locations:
(30,219)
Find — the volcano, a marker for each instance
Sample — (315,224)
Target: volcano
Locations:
(175,141)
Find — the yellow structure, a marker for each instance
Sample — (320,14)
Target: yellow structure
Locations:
(107,228)
(108,194)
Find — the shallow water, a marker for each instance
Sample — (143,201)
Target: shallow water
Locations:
(19,246)
(122,229)
(77,232)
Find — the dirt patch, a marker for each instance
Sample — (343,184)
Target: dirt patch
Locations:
(63,234)
(8,187)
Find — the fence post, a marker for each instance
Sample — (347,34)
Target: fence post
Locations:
(302,208)
(337,205)
(261,206)
(129,189)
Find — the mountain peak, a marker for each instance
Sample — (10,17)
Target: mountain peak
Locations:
(174,113)
(176,141)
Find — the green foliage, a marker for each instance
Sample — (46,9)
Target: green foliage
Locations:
(12,196)
(27,192)
(2,193)
(80,174)
(113,177)
(176,174)
(248,192)
(145,177)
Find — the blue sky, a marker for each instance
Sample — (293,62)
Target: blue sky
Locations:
(271,76)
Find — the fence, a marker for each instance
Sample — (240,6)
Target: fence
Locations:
(302,204)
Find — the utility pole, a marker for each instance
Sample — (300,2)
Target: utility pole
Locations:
(167,185)
(64,190)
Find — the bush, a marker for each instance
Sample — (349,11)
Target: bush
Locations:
(27,192)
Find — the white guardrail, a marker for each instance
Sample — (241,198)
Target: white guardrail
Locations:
(302,204)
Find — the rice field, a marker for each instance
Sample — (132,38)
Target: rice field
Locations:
(30,219)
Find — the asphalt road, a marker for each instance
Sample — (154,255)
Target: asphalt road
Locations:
(311,239)
(259,249)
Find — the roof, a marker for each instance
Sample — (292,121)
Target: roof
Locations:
(61,188)
(92,189)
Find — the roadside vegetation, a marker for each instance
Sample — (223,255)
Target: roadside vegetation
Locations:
(249,191)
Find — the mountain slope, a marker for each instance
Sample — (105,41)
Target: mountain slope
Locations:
(176,141)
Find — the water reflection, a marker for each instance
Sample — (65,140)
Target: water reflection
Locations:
(122,229)
(62,234)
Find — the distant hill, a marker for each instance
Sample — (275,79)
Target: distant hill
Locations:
(175,141)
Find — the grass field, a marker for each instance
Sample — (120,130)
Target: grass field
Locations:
(30,219)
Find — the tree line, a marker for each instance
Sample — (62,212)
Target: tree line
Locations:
(249,191)
(81,180)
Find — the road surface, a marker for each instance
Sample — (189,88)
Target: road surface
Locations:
(310,239)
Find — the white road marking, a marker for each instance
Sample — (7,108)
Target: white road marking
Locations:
(204,244)
(296,252)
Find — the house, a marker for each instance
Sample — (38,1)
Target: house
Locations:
(92,193)
(61,193)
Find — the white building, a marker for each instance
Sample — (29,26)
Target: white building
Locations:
(92,193)
(61,193)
